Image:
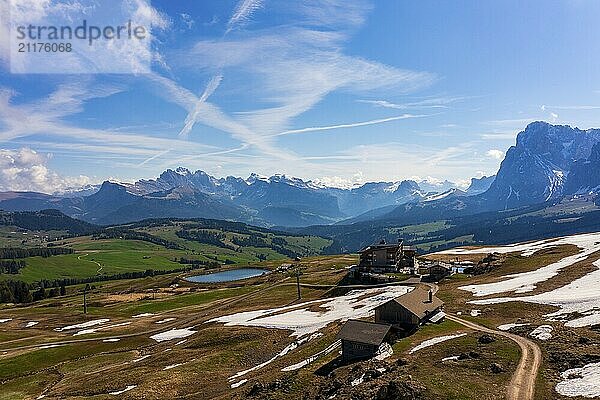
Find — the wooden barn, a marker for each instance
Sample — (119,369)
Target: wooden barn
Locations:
(410,310)
(362,339)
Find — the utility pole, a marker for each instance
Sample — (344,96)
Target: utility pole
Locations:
(298,282)
(85,290)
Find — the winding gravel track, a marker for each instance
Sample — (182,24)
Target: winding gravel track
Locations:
(522,384)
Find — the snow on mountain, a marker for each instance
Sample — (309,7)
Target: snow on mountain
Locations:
(537,168)
(448,193)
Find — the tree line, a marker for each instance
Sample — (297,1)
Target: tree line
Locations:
(21,292)
(128,234)
(14,252)
(11,266)
(207,237)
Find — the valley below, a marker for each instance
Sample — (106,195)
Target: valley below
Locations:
(162,336)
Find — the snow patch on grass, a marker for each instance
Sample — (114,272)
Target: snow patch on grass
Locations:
(386,352)
(49,346)
(526,281)
(542,332)
(587,320)
(31,323)
(111,340)
(162,321)
(358,381)
(451,358)
(434,341)
(312,358)
(302,321)
(141,358)
(238,384)
(83,325)
(508,327)
(173,334)
(580,296)
(127,389)
(286,350)
(584,382)
(3,320)
(142,315)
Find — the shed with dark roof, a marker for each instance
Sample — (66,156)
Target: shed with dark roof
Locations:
(362,339)
(409,310)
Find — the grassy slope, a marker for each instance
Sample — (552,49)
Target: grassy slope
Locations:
(118,256)
(218,351)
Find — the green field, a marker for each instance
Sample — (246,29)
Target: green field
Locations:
(95,257)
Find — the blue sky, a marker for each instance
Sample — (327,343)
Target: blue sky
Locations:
(341,91)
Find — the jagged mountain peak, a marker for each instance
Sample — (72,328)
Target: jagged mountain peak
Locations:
(536,168)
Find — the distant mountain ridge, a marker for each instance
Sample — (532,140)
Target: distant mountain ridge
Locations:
(266,201)
(538,167)
(547,163)
(549,166)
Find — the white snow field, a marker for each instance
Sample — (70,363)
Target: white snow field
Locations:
(3,320)
(31,323)
(436,340)
(305,324)
(580,296)
(173,334)
(584,382)
(302,321)
(525,282)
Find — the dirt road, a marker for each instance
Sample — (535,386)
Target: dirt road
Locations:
(522,384)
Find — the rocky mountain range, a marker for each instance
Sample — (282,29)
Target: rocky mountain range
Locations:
(547,163)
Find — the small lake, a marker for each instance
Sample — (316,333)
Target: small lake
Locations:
(228,276)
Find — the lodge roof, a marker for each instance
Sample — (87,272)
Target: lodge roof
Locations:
(417,302)
(364,332)
(390,246)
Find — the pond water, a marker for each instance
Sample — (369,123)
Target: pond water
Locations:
(228,276)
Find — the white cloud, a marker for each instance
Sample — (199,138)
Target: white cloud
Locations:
(275,67)
(495,153)
(27,170)
(349,125)
(574,108)
(187,20)
(243,12)
(434,102)
(191,119)
(47,116)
